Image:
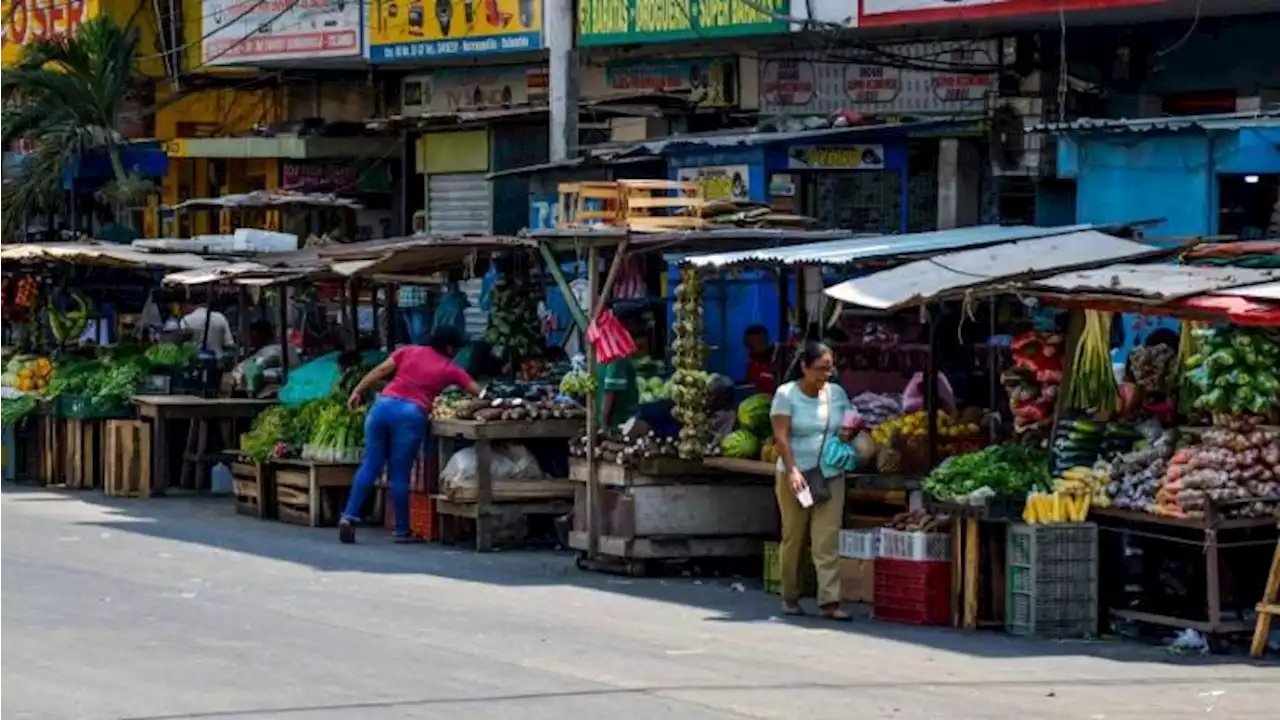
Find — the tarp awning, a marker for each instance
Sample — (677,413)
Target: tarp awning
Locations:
(421,257)
(265,199)
(1266,291)
(99,255)
(1152,284)
(873,247)
(244,273)
(986,269)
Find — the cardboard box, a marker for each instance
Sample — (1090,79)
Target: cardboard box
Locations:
(857,580)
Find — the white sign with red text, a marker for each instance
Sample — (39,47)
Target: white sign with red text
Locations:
(883,13)
(941,77)
(249,32)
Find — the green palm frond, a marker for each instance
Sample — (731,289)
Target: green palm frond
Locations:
(65,96)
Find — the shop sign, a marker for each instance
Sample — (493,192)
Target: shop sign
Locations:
(791,85)
(469,89)
(420,30)
(26,21)
(625,22)
(720,182)
(709,82)
(544,211)
(242,32)
(836,157)
(879,13)
(782,185)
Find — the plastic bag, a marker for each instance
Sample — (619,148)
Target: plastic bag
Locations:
(524,465)
(463,468)
(913,396)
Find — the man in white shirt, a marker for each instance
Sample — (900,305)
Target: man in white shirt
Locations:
(219,339)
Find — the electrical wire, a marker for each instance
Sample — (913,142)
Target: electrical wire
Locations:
(1195,21)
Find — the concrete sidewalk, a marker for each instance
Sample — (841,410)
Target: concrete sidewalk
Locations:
(181,609)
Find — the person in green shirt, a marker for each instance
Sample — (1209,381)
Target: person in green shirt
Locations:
(617,390)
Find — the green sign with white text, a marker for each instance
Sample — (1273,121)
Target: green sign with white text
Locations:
(621,22)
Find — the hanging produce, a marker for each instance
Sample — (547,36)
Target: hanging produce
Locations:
(1153,368)
(70,325)
(690,381)
(1234,371)
(578,383)
(1092,386)
(514,330)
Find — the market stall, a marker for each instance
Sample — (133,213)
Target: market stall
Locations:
(1172,462)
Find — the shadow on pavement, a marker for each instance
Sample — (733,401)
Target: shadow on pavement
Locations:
(213,522)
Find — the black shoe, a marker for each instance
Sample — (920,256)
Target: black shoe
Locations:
(346,532)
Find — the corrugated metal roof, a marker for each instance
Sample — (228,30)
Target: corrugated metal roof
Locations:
(1156,283)
(857,249)
(755,138)
(985,270)
(1185,123)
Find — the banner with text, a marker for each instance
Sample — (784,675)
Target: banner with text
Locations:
(451,28)
(26,21)
(625,22)
(707,82)
(245,32)
(836,157)
(453,90)
(720,182)
(942,77)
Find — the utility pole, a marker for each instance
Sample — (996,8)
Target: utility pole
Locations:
(559,22)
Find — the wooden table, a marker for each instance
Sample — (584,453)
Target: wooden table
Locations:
(160,409)
(483,434)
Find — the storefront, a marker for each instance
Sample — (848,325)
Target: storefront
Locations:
(1200,175)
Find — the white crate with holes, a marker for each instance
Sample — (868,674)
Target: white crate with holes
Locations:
(858,544)
(902,545)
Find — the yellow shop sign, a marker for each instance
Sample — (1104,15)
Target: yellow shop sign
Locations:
(424,30)
(26,21)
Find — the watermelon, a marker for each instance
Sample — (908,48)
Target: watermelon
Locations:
(740,444)
(753,415)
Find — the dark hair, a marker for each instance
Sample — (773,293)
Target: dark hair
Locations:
(447,338)
(261,326)
(1162,336)
(756,329)
(812,352)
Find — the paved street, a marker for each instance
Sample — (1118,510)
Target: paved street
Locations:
(180,609)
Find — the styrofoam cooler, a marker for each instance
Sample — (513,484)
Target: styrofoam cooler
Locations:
(914,545)
(859,544)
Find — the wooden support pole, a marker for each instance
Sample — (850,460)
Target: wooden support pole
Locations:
(283,318)
(553,267)
(615,269)
(593,463)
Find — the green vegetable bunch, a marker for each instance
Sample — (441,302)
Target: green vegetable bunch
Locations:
(1006,469)
(171,355)
(1234,370)
(269,428)
(14,410)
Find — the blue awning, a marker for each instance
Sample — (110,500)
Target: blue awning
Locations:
(147,159)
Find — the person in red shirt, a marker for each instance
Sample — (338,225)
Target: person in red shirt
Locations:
(398,421)
(761,358)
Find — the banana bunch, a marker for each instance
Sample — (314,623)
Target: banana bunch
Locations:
(69,325)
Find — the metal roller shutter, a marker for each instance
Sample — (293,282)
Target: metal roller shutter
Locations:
(458,203)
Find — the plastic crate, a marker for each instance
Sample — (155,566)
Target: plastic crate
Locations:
(773,572)
(1052,580)
(859,544)
(914,546)
(912,591)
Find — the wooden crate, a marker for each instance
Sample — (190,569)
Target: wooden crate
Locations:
(660,205)
(575,201)
(254,489)
(127,458)
(70,452)
(308,493)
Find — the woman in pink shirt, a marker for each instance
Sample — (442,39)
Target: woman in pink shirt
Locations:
(397,422)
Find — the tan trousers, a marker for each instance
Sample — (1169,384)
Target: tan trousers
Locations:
(821,523)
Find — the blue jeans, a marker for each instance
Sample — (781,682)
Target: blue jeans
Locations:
(417,323)
(393,433)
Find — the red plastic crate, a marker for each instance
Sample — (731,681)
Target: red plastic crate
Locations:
(916,592)
(422,516)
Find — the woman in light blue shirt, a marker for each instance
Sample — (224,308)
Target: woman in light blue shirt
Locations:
(805,412)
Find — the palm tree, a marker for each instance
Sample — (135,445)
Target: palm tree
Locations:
(65,98)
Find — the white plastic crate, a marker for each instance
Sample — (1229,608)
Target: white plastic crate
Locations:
(914,545)
(858,544)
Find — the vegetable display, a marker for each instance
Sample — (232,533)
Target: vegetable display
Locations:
(1133,478)
(1092,385)
(1154,369)
(14,409)
(263,441)
(1083,442)
(1234,371)
(740,444)
(753,415)
(1235,467)
(690,381)
(514,330)
(1034,380)
(1002,469)
(578,383)
(876,408)
(338,433)
(626,448)
(171,355)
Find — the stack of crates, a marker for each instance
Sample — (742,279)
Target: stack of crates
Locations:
(1052,580)
(913,578)
(858,565)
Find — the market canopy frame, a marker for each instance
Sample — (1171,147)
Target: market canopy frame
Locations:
(103,255)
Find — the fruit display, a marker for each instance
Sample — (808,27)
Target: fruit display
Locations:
(690,381)
(1236,467)
(514,330)
(1084,481)
(1000,470)
(1056,508)
(753,415)
(28,373)
(653,389)
(740,444)
(626,448)
(578,383)
(876,408)
(69,326)
(1033,381)
(1084,442)
(1234,371)
(1134,477)
(1092,385)
(916,425)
